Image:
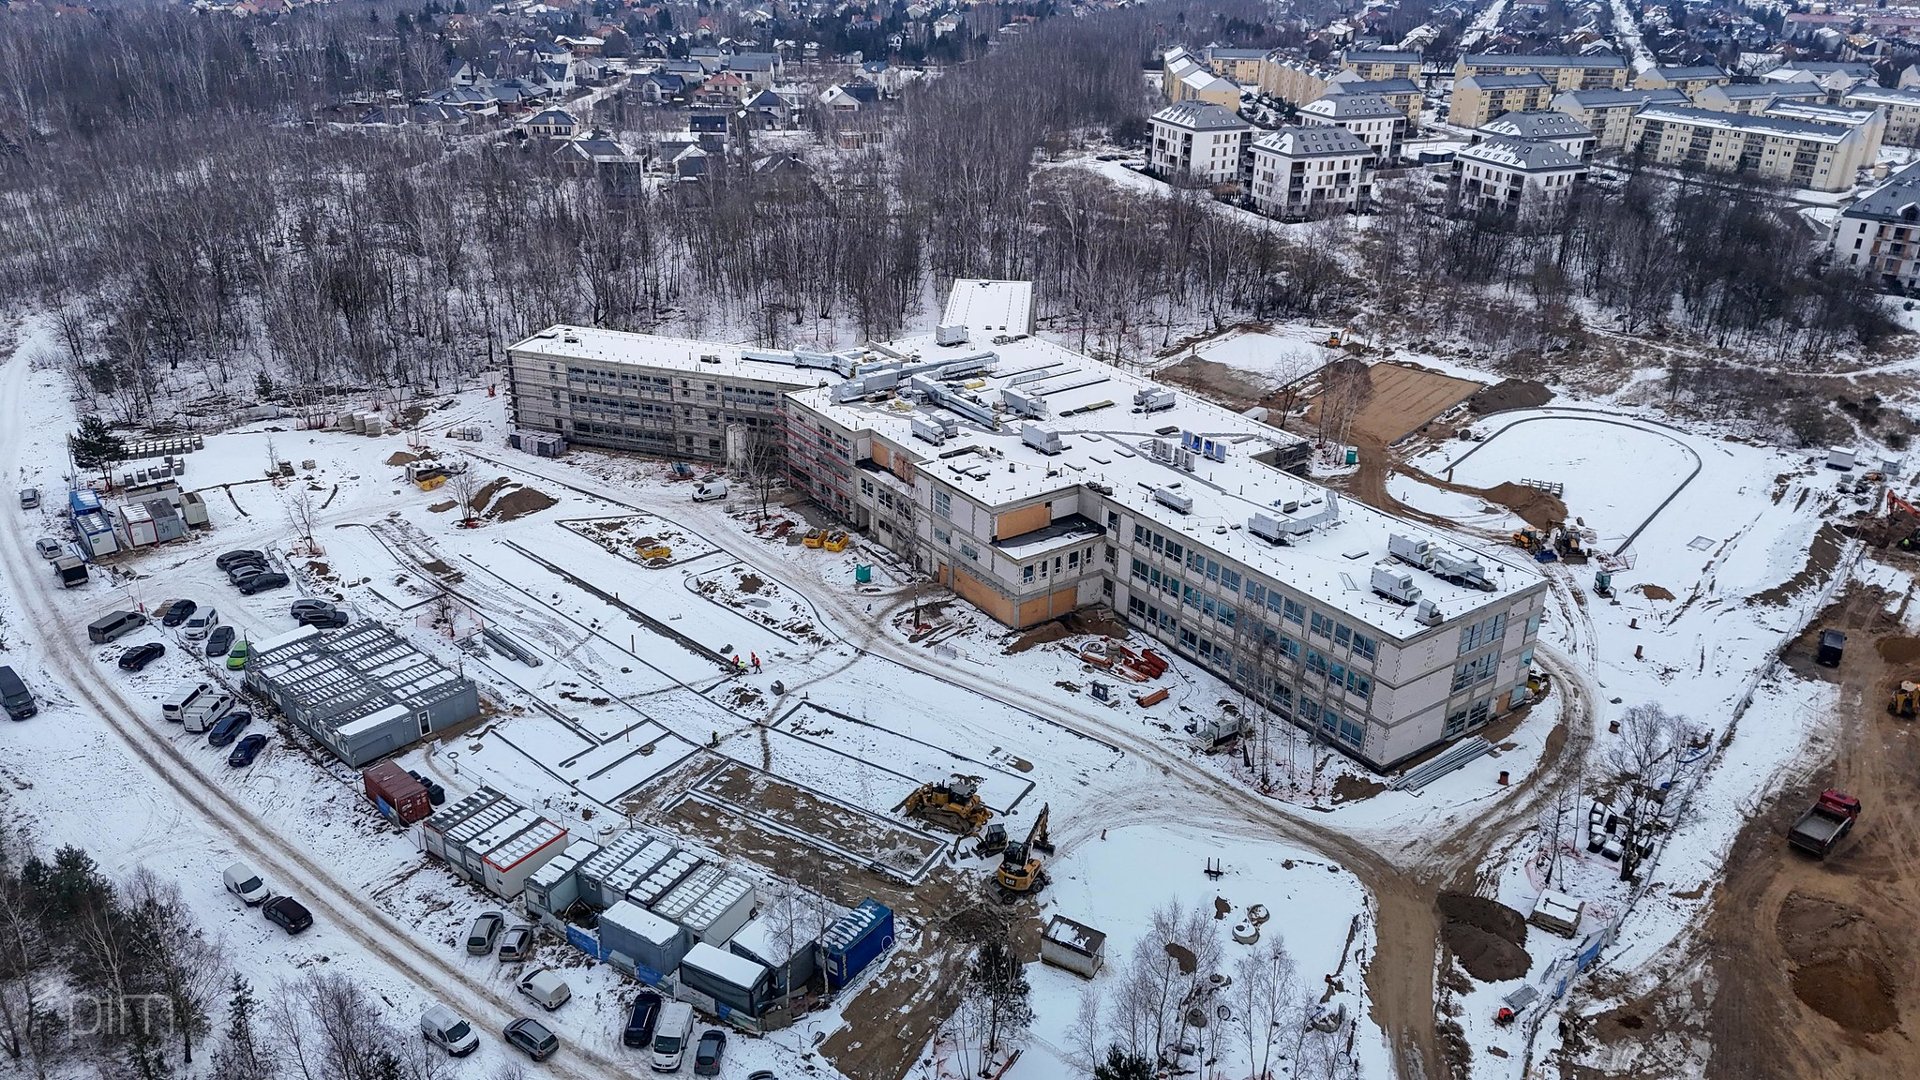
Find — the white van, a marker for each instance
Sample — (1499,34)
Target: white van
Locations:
(175,703)
(199,717)
(710,491)
(670,1036)
(202,623)
(546,987)
(448,1030)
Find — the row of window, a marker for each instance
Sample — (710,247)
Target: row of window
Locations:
(1485,632)
(623,405)
(1473,672)
(1224,576)
(1165,583)
(1074,558)
(1159,544)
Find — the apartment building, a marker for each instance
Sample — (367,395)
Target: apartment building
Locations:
(1479,98)
(1378,65)
(1752,99)
(1294,80)
(1880,233)
(1687,80)
(1402,94)
(1870,121)
(1199,141)
(1303,172)
(1185,78)
(1515,176)
(1240,65)
(1376,121)
(1902,109)
(1545,126)
(1822,157)
(1561,72)
(1609,113)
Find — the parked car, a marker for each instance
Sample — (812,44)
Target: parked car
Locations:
(324,620)
(307,603)
(177,612)
(114,625)
(238,558)
(484,932)
(15,698)
(762,1074)
(706,1057)
(641,1019)
(546,987)
(244,571)
(271,579)
(448,1030)
(202,622)
(237,657)
(242,882)
(246,750)
(220,641)
(531,1038)
(29,498)
(229,728)
(516,944)
(140,656)
(48,547)
(287,913)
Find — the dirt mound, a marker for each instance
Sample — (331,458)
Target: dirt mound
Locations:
(1540,509)
(1837,953)
(1218,381)
(1486,936)
(401,457)
(1899,650)
(441,507)
(1653,592)
(485,495)
(1510,394)
(751,583)
(1822,558)
(1055,630)
(521,502)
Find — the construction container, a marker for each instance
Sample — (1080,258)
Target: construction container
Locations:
(1833,644)
(1076,947)
(786,938)
(854,941)
(663,878)
(735,983)
(624,862)
(863,574)
(711,903)
(1841,457)
(641,943)
(399,797)
(555,887)
(490,839)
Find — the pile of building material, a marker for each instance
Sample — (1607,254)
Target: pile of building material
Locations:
(538,443)
(362,423)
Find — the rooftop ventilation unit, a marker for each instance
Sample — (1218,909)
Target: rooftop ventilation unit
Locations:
(1029,405)
(1152,401)
(1161,449)
(1183,459)
(1176,500)
(1044,439)
(1427,614)
(949,335)
(1395,583)
(929,432)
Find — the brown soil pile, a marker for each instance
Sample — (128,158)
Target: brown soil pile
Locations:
(521,502)
(1654,592)
(440,507)
(1055,630)
(1903,651)
(1510,394)
(751,583)
(1837,953)
(1097,620)
(485,495)
(1540,509)
(1216,380)
(1350,788)
(1822,558)
(401,457)
(1486,936)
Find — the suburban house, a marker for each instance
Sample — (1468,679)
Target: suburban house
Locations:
(1378,65)
(1597,72)
(1310,171)
(849,98)
(1198,141)
(1515,176)
(1479,98)
(1541,126)
(1880,233)
(1823,157)
(1609,113)
(553,124)
(1377,122)
(1687,80)
(757,69)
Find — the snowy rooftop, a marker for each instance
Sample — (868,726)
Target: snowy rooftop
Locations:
(1536,124)
(1769,125)
(995,307)
(1600,99)
(564,343)
(1351,106)
(1521,154)
(1314,141)
(1194,115)
(1493,80)
(1076,936)
(1493,60)
(725,966)
(1105,439)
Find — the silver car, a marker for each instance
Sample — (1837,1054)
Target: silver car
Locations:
(484,932)
(516,944)
(48,547)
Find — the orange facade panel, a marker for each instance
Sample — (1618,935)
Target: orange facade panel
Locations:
(1022,521)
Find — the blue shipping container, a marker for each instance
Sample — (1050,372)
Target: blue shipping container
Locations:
(855,940)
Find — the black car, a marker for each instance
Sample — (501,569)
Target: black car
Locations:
(325,620)
(640,1021)
(261,582)
(140,656)
(531,1038)
(706,1058)
(220,641)
(177,612)
(246,750)
(236,558)
(287,913)
(229,728)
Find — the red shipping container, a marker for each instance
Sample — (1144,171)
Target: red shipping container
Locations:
(399,797)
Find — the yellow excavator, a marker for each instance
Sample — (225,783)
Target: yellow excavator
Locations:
(1906,700)
(1022,872)
(953,805)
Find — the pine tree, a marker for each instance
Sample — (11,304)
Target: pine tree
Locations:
(95,446)
(1121,1065)
(240,1057)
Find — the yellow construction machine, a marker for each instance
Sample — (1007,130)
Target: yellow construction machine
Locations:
(953,805)
(1906,700)
(1022,872)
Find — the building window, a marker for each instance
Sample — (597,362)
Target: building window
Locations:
(1295,611)
(943,504)
(1026,573)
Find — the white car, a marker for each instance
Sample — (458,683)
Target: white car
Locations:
(245,884)
(48,547)
(448,1030)
(202,622)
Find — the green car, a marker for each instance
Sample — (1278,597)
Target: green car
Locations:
(237,656)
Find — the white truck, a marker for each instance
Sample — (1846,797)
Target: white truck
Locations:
(710,491)
(199,717)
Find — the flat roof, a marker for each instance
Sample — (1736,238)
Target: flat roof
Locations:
(563,343)
(1770,125)
(729,968)
(1000,307)
(1106,440)
(1542,60)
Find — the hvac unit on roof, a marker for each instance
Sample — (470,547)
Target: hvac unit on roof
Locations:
(1395,584)
(1177,500)
(950,335)
(1044,439)
(1028,405)
(1161,449)
(1183,459)
(1154,400)
(929,432)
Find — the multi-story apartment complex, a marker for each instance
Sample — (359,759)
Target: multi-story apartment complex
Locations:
(1479,98)
(1561,72)
(1240,65)
(1185,78)
(1687,80)
(1402,94)
(1377,122)
(1294,80)
(1752,99)
(1303,172)
(1545,126)
(1515,175)
(1033,481)
(1193,140)
(1880,233)
(1823,157)
(1375,65)
(1609,113)
(1902,109)
(1870,121)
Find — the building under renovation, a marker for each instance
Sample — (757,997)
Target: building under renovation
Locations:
(363,692)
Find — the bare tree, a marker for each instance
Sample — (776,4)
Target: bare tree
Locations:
(187,968)
(1270,1001)
(1641,762)
(300,515)
(465,482)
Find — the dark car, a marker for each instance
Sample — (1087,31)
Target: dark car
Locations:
(229,728)
(240,558)
(306,604)
(140,656)
(706,1058)
(641,1019)
(325,620)
(246,750)
(177,612)
(531,1038)
(287,913)
(271,579)
(220,641)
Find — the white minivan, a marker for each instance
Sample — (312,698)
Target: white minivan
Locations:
(546,987)
(448,1030)
(242,882)
(670,1036)
(199,717)
(174,705)
(202,623)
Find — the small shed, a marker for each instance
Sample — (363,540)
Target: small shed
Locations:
(1841,457)
(1075,946)
(642,943)
(785,936)
(735,983)
(854,941)
(555,887)
(396,794)
(711,903)
(1557,912)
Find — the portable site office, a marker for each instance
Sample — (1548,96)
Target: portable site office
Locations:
(491,839)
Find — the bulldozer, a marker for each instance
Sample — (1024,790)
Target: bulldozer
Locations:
(1906,700)
(953,805)
(1022,872)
